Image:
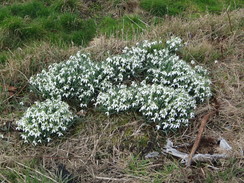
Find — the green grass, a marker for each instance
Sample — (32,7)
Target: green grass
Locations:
(65,6)
(24,173)
(138,167)
(63,23)
(169,7)
(149,170)
(48,39)
(32,9)
(231,170)
(55,21)
(172,171)
(162,7)
(124,27)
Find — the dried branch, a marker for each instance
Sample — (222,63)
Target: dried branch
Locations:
(199,136)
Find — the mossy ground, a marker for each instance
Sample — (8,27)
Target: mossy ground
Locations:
(112,149)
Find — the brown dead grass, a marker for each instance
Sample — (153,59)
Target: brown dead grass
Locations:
(21,65)
(100,149)
(32,59)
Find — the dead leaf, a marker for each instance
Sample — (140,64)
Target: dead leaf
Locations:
(12,89)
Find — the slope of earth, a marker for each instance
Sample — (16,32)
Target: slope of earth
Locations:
(102,149)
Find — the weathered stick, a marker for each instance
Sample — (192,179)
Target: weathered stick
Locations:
(199,136)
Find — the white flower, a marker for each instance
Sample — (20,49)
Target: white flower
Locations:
(158,127)
(43,120)
(164,88)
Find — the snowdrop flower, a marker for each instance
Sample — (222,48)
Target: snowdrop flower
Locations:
(157,103)
(44,120)
(21,103)
(158,127)
(159,85)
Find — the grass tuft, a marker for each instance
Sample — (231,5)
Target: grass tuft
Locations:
(168,7)
(126,27)
(65,5)
(31,9)
(56,22)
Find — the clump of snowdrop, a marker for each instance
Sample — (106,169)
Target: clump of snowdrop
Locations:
(173,88)
(44,120)
(166,106)
(76,78)
(171,71)
(149,78)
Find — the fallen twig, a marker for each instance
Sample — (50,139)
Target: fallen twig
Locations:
(199,136)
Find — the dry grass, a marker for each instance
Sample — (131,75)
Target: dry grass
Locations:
(21,65)
(32,59)
(101,149)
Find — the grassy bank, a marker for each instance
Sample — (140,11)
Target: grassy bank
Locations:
(58,23)
(102,149)
(74,22)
